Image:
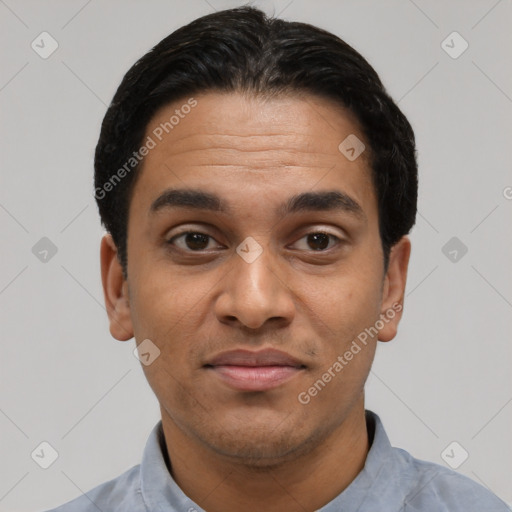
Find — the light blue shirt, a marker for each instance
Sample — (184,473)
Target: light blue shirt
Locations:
(391,481)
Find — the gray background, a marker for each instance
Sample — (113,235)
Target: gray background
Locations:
(64,380)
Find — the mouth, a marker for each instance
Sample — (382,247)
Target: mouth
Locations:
(245,370)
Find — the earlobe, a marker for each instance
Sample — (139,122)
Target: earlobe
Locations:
(394,289)
(115,291)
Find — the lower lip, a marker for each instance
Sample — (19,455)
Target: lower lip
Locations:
(255,378)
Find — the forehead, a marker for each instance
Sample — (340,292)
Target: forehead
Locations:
(263,146)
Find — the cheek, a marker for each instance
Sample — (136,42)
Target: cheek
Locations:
(171,318)
(163,300)
(347,302)
(174,313)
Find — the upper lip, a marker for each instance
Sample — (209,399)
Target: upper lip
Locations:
(266,357)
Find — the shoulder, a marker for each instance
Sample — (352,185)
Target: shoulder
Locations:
(116,495)
(434,486)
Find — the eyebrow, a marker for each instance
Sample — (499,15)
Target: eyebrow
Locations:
(330,200)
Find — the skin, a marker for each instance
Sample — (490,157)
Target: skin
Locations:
(229,449)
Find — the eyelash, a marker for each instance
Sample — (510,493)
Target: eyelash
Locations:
(185,233)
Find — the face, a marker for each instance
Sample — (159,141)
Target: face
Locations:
(254,262)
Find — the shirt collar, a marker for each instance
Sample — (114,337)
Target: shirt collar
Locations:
(377,480)
(161,493)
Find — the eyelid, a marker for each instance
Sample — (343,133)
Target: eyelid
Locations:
(310,231)
(338,239)
(171,240)
(338,232)
(185,228)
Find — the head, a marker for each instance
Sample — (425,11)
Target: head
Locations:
(239,219)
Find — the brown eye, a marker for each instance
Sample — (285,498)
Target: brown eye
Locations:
(191,241)
(196,241)
(318,241)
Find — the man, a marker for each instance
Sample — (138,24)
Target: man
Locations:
(257,184)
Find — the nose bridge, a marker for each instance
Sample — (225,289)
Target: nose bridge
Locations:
(254,275)
(254,291)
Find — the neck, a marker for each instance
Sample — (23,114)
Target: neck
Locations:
(307,482)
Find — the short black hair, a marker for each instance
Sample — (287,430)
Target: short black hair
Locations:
(244,50)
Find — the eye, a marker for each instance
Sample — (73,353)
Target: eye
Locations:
(192,241)
(317,241)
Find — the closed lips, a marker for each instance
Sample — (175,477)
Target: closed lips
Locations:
(268,357)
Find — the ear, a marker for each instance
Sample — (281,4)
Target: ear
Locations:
(115,291)
(394,289)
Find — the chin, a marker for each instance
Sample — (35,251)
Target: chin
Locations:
(263,444)
(263,452)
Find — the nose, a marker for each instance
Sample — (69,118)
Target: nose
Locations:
(256,292)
